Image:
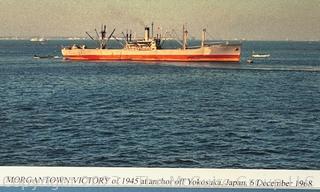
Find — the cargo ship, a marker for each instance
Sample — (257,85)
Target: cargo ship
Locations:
(150,48)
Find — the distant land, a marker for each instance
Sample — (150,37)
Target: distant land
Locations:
(87,38)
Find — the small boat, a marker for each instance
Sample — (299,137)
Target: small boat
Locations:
(45,57)
(260,55)
(250,61)
(37,39)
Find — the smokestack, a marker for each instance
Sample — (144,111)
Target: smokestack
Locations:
(146,33)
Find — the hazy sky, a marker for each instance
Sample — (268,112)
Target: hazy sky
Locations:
(224,19)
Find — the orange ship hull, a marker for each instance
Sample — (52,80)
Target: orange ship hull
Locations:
(227,58)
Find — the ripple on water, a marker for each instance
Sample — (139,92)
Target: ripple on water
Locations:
(169,115)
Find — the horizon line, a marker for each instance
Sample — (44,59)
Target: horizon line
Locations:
(75,38)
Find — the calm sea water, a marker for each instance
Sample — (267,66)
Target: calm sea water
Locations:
(61,113)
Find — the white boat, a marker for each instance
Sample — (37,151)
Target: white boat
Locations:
(37,39)
(260,55)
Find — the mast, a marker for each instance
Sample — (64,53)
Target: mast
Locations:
(103,43)
(185,36)
(130,35)
(127,36)
(152,30)
(203,37)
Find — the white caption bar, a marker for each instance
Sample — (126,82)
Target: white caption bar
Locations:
(158,177)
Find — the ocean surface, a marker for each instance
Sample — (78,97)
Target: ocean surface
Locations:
(156,114)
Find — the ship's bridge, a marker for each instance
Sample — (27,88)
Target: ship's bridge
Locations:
(141,45)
